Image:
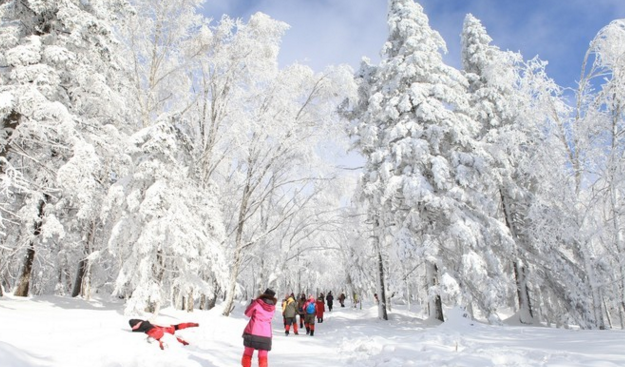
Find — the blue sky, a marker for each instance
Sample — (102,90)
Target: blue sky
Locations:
(332,32)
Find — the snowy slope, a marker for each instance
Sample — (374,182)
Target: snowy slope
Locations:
(56,331)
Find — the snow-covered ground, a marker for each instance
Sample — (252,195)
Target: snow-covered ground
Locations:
(63,332)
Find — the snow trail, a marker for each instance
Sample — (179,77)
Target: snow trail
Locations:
(64,332)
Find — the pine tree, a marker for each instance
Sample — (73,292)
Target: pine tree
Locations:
(166,231)
(59,100)
(493,77)
(423,164)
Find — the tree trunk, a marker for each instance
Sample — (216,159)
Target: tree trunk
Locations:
(381,292)
(380,284)
(9,123)
(232,282)
(24,282)
(80,274)
(158,269)
(83,265)
(190,302)
(435,304)
(597,302)
(238,249)
(526,314)
(620,243)
(25,278)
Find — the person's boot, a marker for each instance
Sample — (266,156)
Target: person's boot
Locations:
(246,361)
(262,362)
(286,332)
(185,325)
(312,332)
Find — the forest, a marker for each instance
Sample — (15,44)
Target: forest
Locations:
(153,155)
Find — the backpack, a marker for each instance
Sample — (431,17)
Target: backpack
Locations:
(310,309)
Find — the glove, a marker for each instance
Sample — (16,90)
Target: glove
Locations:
(160,343)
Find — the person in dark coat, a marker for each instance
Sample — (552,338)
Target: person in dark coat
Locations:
(257,334)
(300,310)
(330,300)
(156,332)
(342,299)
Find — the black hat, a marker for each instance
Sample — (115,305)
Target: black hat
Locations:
(269,292)
(140,325)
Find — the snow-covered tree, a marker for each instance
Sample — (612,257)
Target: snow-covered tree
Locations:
(510,139)
(167,231)
(608,111)
(592,144)
(423,162)
(288,115)
(161,40)
(59,99)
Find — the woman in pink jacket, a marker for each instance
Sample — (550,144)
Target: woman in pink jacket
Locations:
(257,334)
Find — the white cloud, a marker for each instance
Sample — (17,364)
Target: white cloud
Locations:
(329,32)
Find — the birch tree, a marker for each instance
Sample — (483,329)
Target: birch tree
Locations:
(288,115)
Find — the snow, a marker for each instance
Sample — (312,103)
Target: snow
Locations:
(60,331)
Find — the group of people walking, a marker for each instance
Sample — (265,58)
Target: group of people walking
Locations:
(257,334)
(308,309)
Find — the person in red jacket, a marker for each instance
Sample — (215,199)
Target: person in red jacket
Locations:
(320,308)
(156,332)
(257,334)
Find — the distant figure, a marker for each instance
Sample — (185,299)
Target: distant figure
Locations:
(330,300)
(257,334)
(310,307)
(342,299)
(283,307)
(300,310)
(289,311)
(156,332)
(375,296)
(320,307)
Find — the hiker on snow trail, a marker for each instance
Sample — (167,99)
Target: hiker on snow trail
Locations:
(156,332)
(310,308)
(342,299)
(289,311)
(330,299)
(257,334)
(300,310)
(320,307)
